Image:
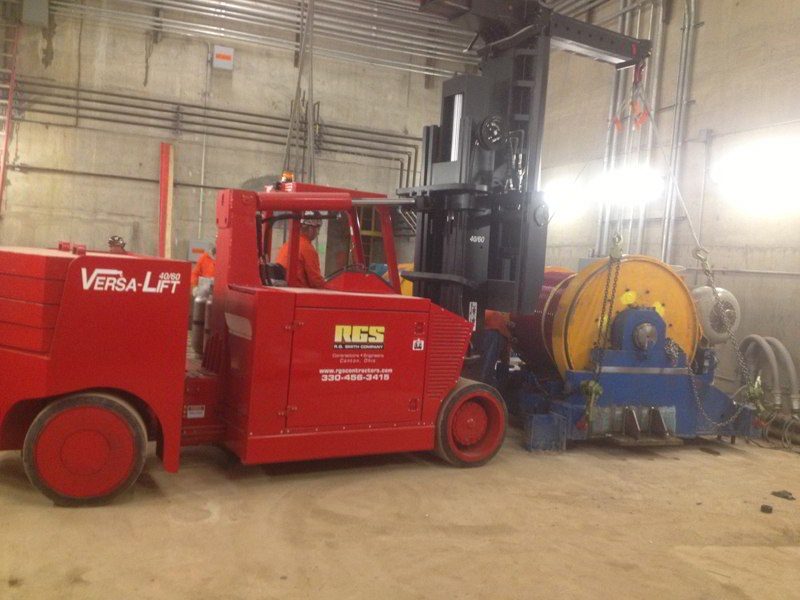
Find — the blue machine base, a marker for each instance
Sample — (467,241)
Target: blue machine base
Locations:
(551,420)
(648,395)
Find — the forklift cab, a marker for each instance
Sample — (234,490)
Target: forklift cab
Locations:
(351,357)
(355,276)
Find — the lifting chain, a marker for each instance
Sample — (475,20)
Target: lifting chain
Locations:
(607,310)
(754,391)
(592,389)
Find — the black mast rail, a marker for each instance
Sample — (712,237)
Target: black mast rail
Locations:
(481,219)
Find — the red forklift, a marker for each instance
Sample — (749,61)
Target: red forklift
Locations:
(93,356)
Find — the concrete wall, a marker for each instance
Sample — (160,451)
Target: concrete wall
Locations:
(744,90)
(45,207)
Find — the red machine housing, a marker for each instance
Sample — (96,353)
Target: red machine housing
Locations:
(91,344)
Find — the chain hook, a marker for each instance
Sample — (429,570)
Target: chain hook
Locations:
(701,254)
(616,246)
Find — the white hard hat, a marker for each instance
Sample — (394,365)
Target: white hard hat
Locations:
(311,220)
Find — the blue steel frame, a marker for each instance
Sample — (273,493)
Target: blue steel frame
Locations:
(554,411)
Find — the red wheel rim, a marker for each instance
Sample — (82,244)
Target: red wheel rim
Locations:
(475,427)
(85,452)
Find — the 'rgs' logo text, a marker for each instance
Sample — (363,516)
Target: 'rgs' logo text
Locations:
(114,280)
(359,337)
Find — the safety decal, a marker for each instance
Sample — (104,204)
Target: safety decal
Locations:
(196,411)
(473,315)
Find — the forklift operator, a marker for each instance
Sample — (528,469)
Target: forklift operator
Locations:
(309,273)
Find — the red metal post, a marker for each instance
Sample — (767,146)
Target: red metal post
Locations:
(267,236)
(294,253)
(9,113)
(355,237)
(165,200)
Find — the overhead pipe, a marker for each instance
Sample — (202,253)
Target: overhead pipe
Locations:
(653,79)
(631,7)
(638,213)
(652,87)
(145,23)
(344,19)
(653,95)
(331,143)
(348,30)
(195,27)
(26,168)
(31,89)
(759,272)
(294,117)
(609,158)
(201,191)
(634,246)
(582,10)
(397,148)
(616,214)
(630,133)
(331,146)
(679,126)
(195,114)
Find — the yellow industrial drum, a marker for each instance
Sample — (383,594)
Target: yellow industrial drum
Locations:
(564,328)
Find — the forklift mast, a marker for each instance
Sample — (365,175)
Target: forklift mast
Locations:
(481,219)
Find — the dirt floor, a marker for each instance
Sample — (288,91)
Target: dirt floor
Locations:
(595,522)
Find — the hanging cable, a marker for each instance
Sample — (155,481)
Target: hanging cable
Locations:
(289,161)
(310,174)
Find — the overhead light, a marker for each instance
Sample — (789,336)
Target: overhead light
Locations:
(761,177)
(627,187)
(565,198)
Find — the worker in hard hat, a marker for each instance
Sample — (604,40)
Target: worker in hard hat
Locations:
(309,273)
(206,266)
(116,245)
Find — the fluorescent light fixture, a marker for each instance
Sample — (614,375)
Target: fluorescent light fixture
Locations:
(761,177)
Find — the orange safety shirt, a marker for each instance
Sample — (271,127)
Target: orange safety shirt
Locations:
(308,270)
(205,267)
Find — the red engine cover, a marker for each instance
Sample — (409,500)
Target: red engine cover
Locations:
(72,322)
